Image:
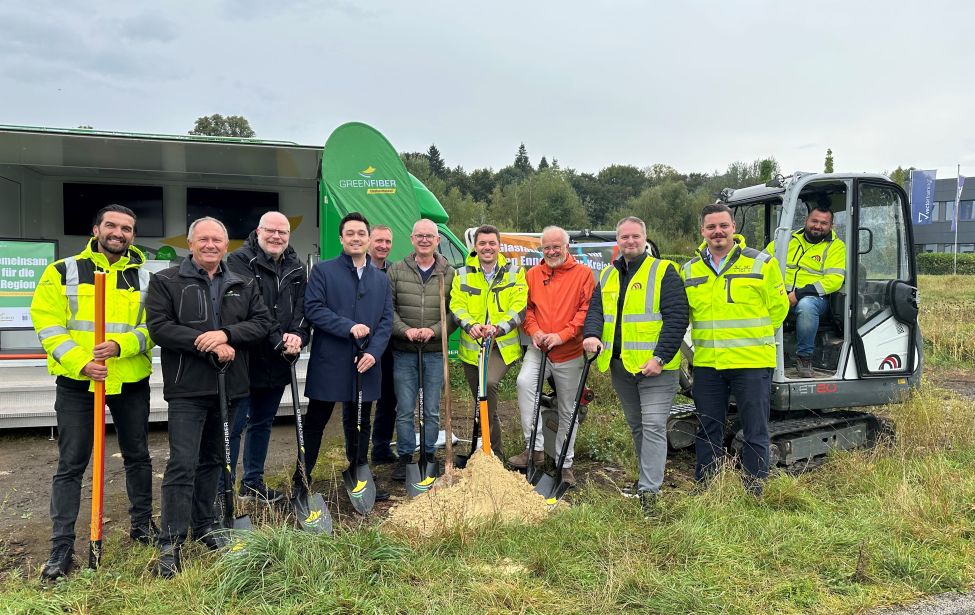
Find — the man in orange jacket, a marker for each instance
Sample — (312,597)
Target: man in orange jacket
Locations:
(559,289)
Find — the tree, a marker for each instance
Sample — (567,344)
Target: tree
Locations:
(900,175)
(482,181)
(437,166)
(828,167)
(85,127)
(542,164)
(521,160)
(217,125)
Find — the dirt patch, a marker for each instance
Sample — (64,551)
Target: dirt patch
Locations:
(482,491)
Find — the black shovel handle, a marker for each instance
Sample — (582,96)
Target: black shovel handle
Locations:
(589,360)
(419,413)
(537,410)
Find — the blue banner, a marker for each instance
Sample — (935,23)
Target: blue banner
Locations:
(922,195)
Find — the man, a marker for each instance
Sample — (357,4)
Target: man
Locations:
(380,243)
(488,298)
(814,269)
(267,258)
(637,319)
(63,313)
(559,290)
(416,282)
(198,310)
(737,301)
(348,302)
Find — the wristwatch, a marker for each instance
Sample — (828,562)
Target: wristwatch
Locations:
(658,360)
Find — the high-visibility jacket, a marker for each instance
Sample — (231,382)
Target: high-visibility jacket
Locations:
(501,303)
(820,266)
(735,312)
(63,313)
(641,319)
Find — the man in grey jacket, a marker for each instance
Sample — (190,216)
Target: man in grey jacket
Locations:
(415,284)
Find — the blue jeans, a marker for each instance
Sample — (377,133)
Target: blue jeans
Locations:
(257,414)
(808,312)
(752,389)
(406,380)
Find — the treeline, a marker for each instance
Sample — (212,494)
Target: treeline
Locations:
(527,197)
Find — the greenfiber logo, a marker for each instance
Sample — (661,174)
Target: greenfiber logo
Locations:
(367,172)
(372,186)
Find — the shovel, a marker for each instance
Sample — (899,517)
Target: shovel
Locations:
(98,447)
(228,522)
(532,472)
(310,508)
(550,487)
(460,460)
(358,478)
(420,478)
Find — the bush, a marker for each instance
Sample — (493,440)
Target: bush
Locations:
(942,263)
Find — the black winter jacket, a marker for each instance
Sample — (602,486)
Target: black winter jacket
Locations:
(673,309)
(178,311)
(284,297)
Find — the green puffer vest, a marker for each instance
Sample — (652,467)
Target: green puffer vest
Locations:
(417,303)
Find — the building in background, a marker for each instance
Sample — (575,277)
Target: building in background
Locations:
(938,236)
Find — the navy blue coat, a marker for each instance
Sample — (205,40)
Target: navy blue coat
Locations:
(335,300)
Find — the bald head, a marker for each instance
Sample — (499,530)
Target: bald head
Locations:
(273,234)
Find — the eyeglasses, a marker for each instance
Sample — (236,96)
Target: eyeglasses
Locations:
(557,248)
(275,231)
(424,237)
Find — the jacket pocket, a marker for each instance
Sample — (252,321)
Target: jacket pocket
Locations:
(193,308)
(745,288)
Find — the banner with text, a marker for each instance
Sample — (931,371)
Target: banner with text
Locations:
(922,195)
(21,264)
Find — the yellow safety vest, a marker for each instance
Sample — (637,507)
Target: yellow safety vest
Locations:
(63,313)
(501,303)
(642,321)
(735,312)
(822,265)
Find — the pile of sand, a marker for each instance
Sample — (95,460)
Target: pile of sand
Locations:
(482,491)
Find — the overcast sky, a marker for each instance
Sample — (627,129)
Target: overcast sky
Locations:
(694,84)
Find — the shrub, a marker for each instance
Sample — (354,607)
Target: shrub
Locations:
(942,263)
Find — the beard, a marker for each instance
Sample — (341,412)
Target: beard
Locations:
(104,246)
(815,236)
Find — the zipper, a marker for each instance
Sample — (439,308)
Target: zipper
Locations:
(179,369)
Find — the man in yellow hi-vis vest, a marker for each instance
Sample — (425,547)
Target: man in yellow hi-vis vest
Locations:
(814,269)
(737,301)
(637,318)
(489,296)
(63,314)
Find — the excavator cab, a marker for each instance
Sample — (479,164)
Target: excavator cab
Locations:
(868,349)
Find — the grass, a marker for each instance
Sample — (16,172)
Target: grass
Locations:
(866,529)
(946,319)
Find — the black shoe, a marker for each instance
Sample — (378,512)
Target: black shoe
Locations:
(60,562)
(648,503)
(144,532)
(259,493)
(382,457)
(381,494)
(399,472)
(213,540)
(169,562)
(632,491)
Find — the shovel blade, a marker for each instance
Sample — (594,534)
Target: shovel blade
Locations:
(361,488)
(534,475)
(243,523)
(460,461)
(546,485)
(312,513)
(418,482)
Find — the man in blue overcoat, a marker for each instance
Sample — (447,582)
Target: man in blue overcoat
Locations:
(349,304)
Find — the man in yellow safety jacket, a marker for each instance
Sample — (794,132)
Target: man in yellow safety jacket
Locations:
(637,319)
(814,269)
(737,301)
(63,314)
(488,297)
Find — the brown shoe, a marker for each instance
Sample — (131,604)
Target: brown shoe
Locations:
(520,461)
(568,477)
(804,367)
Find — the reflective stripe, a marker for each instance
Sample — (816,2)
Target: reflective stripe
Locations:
(645,317)
(143,293)
(89,326)
(639,345)
(51,331)
(469,345)
(609,317)
(651,293)
(734,323)
(504,343)
(513,315)
(63,348)
(835,271)
(692,282)
(751,276)
(464,288)
(140,334)
(758,264)
(819,288)
(604,276)
(741,342)
(71,284)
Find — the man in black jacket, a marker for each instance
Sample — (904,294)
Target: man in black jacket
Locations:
(267,258)
(194,310)
(637,316)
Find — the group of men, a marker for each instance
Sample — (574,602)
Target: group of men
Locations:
(377,327)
